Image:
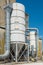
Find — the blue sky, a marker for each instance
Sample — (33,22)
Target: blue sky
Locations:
(35,10)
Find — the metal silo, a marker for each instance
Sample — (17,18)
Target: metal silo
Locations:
(17,31)
(32,40)
(39,48)
(2,40)
(27,19)
(18,23)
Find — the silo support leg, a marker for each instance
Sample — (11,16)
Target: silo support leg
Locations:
(16,52)
(28,53)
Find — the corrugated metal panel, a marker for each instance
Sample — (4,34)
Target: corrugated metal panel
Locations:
(2,41)
(2,12)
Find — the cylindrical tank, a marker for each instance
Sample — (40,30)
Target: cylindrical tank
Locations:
(2,40)
(32,35)
(39,48)
(18,23)
(27,19)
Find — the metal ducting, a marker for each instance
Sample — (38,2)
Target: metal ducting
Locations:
(7,41)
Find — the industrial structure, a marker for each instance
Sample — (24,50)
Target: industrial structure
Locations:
(2,11)
(18,43)
(40,48)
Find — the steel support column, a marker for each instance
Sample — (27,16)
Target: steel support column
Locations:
(16,52)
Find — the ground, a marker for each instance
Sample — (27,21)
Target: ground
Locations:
(34,63)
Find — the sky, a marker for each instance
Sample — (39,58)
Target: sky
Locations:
(35,10)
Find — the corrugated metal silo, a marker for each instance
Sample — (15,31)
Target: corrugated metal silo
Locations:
(27,19)
(39,48)
(2,41)
(32,35)
(18,23)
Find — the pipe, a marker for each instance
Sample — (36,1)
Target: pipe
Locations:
(36,29)
(32,29)
(7,36)
(7,1)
